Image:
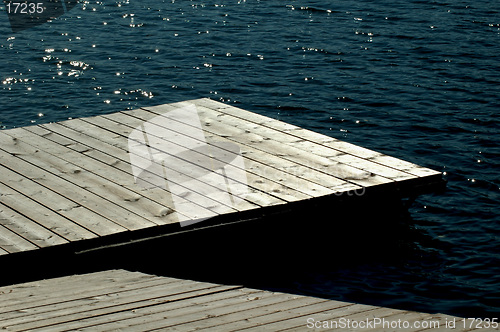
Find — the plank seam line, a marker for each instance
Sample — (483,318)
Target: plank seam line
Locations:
(22,237)
(113,166)
(42,204)
(110,130)
(303,315)
(220,109)
(27,217)
(13,229)
(243,310)
(79,185)
(144,306)
(118,320)
(149,151)
(350,181)
(99,290)
(95,159)
(268,193)
(224,149)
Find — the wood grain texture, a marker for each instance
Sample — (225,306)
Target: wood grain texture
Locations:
(175,164)
(132,301)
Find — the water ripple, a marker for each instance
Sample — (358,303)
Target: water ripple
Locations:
(414,79)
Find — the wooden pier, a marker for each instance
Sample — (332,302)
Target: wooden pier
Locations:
(119,300)
(106,184)
(81,183)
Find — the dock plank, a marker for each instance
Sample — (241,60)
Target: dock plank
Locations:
(95,131)
(11,242)
(112,166)
(99,126)
(15,294)
(28,229)
(314,137)
(268,133)
(246,135)
(190,320)
(94,307)
(58,202)
(243,315)
(307,147)
(58,224)
(28,298)
(324,141)
(174,311)
(298,323)
(255,181)
(280,169)
(76,175)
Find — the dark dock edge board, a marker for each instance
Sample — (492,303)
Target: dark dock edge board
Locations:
(273,222)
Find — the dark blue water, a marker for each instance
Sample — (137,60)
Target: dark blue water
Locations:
(419,80)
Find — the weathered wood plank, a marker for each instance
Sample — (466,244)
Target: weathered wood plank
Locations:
(312,148)
(96,132)
(191,168)
(115,169)
(19,294)
(28,229)
(255,181)
(294,323)
(196,302)
(120,302)
(46,293)
(11,242)
(274,320)
(58,224)
(243,134)
(61,309)
(97,129)
(61,305)
(193,313)
(131,301)
(411,318)
(223,321)
(295,183)
(93,176)
(279,169)
(57,202)
(404,165)
(336,144)
(73,174)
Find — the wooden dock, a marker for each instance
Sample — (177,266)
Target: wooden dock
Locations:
(81,183)
(115,300)
(175,176)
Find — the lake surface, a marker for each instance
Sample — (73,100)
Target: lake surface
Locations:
(418,80)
